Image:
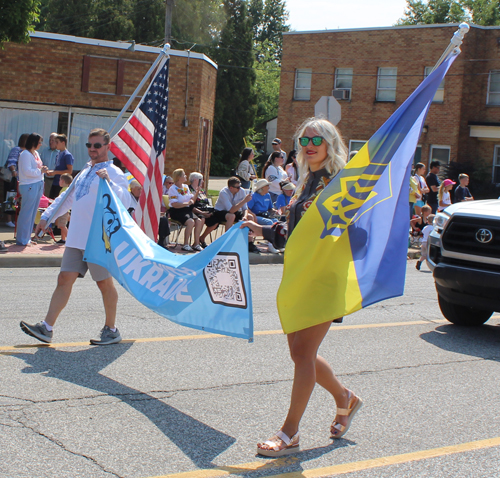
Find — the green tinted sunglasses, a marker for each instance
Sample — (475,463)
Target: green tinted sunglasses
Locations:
(316,140)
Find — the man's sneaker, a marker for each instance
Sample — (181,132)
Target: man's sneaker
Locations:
(10,224)
(417,265)
(107,337)
(39,331)
(3,247)
(253,248)
(203,244)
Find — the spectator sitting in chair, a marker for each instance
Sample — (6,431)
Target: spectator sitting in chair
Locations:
(261,204)
(181,209)
(283,200)
(201,207)
(231,207)
(135,193)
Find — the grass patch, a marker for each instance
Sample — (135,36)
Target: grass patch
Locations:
(213,193)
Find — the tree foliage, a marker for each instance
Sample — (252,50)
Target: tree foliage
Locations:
(434,11)
(17,19)
(235,97)
(480,12)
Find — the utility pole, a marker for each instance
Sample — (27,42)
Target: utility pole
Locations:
(168,19)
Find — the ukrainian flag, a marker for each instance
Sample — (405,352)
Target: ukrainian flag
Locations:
(350,248)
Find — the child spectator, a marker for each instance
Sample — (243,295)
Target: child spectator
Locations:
(462,192)
(419,222)
(62,221)
(444,199)
(283,200)
(423,248)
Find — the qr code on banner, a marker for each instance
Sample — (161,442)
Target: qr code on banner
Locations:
(225,280)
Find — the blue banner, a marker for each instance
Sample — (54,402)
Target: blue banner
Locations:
(209,290)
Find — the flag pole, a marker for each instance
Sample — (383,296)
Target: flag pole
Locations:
(163,52)
(456,41)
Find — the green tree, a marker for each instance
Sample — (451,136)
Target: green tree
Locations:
(434,11)
(484,12)
(149,21)
(69,17)
(235,96)
(112,20)
(17,19)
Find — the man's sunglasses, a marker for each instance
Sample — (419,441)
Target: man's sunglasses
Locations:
(95,145)
(316,140)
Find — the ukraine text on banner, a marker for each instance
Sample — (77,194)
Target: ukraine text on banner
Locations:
(208,291)
(350,248)
(140,146)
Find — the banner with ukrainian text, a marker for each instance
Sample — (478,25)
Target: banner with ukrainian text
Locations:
(350,248)
(208,291)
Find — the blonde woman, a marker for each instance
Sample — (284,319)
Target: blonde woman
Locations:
(321,156)
(181,209)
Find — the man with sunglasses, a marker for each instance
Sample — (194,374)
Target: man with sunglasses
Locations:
(81,200)
(231,207)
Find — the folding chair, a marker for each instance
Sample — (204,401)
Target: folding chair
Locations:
(173,223)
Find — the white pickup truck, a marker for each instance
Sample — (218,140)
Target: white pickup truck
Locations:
(464,255)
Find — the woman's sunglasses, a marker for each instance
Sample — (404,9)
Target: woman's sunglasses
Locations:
(316,140)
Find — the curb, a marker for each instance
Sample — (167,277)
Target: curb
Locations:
(11,261)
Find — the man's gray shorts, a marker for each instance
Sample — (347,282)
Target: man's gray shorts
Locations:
(72,261)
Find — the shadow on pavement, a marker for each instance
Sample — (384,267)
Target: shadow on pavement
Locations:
(197,441)
(483,341)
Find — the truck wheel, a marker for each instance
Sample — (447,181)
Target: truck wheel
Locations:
(461,315)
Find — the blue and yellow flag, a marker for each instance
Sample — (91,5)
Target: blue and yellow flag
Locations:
(350,248)
(208,291)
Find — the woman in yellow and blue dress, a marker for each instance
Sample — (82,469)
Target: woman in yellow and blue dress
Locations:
(321,156)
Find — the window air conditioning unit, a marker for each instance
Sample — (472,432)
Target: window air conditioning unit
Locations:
(342,94)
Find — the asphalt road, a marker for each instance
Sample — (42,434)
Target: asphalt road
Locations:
(178,402)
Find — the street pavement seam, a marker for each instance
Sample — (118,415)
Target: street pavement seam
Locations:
(7,348)
(341,469)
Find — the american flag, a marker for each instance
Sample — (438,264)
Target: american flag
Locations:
(140,146)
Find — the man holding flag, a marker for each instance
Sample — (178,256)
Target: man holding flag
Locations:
(81,199)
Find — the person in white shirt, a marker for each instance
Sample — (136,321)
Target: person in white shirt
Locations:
(231,207)
(425,233)
(81,199)
(273,171)
(181,209)
(444,199)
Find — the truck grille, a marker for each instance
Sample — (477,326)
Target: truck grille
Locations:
(462,232)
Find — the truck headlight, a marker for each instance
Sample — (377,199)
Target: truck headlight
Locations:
(440,221)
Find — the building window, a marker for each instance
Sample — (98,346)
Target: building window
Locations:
(493,97)
(496,165)
(343,83)
(302,89)
(417,158)
(440,153)
(439,96)
(386,84)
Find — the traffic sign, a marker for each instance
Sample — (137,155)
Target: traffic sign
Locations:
(329,107)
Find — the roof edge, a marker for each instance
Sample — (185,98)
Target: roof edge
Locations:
(397,27)
(119,45)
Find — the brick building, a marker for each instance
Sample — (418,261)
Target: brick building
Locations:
(71,85)
(372,71)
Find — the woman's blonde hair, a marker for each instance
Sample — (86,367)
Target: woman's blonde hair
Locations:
(194,175)
(336,149)
(177,174)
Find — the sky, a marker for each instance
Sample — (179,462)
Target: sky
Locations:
(332,14)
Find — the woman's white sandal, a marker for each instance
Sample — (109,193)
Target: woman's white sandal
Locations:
(354,404)
(279,445)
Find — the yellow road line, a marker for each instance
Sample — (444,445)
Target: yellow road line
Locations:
(216,336)
(342,469)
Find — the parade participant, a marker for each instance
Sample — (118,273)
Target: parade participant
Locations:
(321,157)
(81,199)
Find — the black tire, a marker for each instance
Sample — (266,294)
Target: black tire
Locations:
(462,315)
